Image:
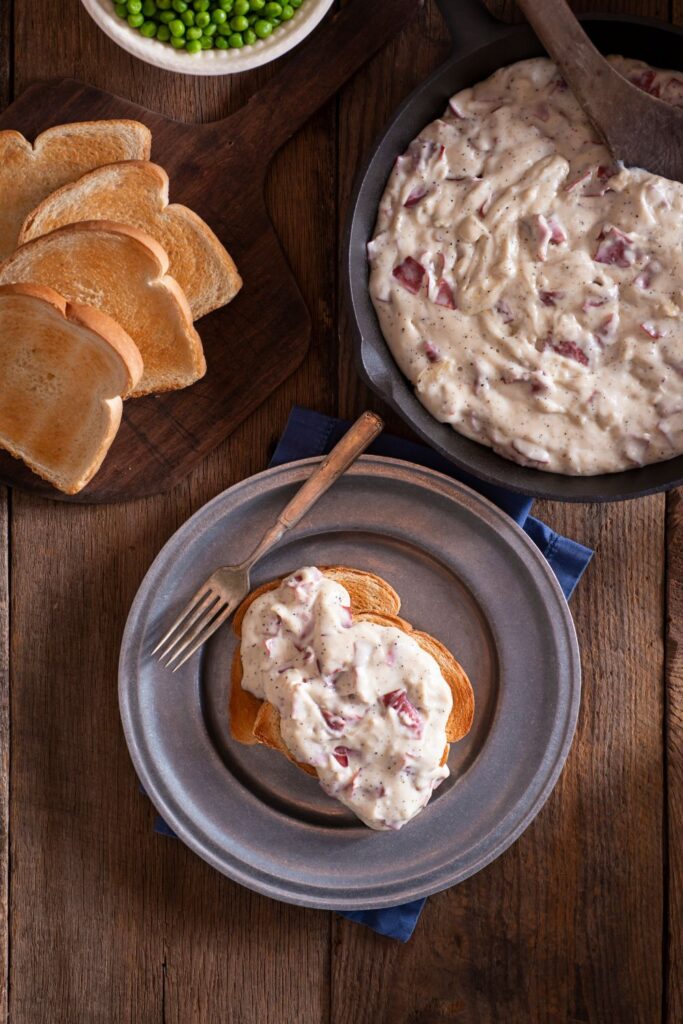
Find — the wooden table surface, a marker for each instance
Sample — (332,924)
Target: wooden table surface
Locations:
(105,921)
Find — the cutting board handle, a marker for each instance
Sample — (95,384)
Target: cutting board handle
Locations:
(316,70)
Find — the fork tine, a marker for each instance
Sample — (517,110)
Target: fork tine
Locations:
(209,630)
(206,609)
(190,630)
(204,622)
(192,608)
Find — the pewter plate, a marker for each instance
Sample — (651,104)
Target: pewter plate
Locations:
(465,573)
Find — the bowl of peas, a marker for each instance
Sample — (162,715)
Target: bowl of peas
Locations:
(207,37)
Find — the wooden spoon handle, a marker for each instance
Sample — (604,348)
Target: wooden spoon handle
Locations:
(354,442)
(583,66)
(344,454)
(315,71)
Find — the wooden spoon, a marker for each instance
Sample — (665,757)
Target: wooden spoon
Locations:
(639,129)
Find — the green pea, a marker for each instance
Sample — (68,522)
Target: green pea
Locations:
(201,24)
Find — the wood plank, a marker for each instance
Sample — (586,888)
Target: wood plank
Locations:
(243,959)
(112,922)
(674,751)
(567,925)
(4,752)
(507,10)
(365,106)
(6,20)
(673,732)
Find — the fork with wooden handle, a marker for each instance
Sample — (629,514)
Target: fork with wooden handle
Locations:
(222,593)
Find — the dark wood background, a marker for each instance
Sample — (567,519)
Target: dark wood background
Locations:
(104,921)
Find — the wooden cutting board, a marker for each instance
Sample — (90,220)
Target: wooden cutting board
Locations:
(257,341)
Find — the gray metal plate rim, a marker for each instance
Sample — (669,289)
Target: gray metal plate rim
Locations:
(517,817)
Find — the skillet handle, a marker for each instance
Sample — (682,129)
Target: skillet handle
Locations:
(470,23)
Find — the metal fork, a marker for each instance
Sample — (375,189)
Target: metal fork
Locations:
(218,598)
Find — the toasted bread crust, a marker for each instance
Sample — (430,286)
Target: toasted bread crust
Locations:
(136,128)
(149,250)
(90,197)
(31,171)
(255,721)
(93,319)
(63,468)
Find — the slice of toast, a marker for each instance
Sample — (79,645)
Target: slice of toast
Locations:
(136,192)
(372,600)
(29,173)
(123,272)
(64,370)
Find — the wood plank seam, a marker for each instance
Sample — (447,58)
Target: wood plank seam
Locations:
(672,1001)
(670,512)
(164,976)
(6,93)
(4,755)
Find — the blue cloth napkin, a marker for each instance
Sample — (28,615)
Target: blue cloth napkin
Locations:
(311,433)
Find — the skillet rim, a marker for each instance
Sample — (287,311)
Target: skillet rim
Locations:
(374,362)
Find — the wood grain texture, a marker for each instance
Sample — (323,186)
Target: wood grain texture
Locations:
(507,10)
(6,19)
(673,1009)
(163,436)
(567,925)
(113,923)
(674,753)
(4,752)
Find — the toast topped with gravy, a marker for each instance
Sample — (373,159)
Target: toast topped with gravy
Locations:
(370,702)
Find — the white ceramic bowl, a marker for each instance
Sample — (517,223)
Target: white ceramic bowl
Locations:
(208,62)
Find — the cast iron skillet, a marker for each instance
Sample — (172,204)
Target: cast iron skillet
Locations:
(482,45)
